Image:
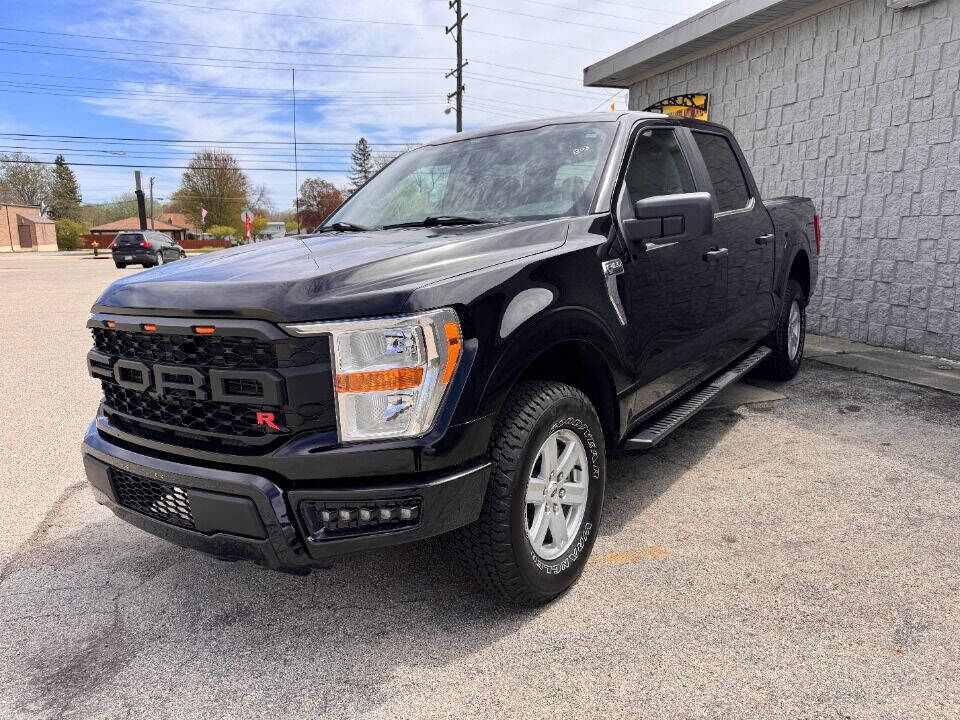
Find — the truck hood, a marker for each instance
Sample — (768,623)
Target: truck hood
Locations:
(329,276)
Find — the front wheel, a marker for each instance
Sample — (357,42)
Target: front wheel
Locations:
(787,340)
(542,508)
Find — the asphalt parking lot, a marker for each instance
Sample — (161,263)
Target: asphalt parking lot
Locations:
(784,558)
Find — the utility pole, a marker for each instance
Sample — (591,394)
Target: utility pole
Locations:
(141,205)
(296,164)
(457,6)
(153,223)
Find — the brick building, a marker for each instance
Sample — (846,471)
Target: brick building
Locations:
(856,105)
(24,229)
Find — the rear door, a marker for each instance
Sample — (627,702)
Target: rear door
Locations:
(743,225)
(675,292)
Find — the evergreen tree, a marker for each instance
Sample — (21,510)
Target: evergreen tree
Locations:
(64,192)
(361,164)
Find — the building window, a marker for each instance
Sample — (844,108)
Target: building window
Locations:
(729,184)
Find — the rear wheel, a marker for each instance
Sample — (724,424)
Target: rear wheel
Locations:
(159,258)
(120,266)
(787,340)
(541,512)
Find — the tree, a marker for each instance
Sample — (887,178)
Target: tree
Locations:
(23,180)
(70,233)
(361,164)
(222,231)
(382,159)
(318,198)
(257,225)
(214,181)
(65,198)
(122,206)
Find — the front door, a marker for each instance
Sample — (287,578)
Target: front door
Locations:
(26,236)
(675,291)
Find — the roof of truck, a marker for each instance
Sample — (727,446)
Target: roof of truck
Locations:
(595,117)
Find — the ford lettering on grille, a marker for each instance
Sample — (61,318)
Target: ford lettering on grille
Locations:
(171,382)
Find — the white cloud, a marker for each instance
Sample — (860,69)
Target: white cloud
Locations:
(494,94)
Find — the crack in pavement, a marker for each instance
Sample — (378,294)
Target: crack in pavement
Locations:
(36,537)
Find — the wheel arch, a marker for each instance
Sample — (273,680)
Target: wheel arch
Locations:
(800,271)
(586,361)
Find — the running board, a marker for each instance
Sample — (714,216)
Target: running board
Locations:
(665,422)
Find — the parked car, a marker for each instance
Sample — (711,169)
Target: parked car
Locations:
(454,351)
(146,247)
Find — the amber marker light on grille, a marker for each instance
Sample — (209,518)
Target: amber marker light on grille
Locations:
(379,380)
(204,329)
(110,324)
(149,327)
(452,331)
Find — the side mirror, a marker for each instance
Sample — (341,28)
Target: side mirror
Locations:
(670,217)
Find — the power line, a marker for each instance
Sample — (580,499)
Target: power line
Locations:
(218,88)
(287,15)
(202,142)
(592,11)
(171,167)
(564,22)
(114,38)
(226,64)
(378,22)
(122,95)
(286,66)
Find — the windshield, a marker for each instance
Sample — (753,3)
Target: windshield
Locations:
(548,172)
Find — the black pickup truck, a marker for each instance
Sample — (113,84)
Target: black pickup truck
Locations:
(454,351)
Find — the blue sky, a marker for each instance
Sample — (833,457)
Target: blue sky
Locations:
(218,71)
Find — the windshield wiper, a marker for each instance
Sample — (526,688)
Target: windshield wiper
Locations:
(437,220)
(341,227)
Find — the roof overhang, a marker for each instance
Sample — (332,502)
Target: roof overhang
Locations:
(724,24)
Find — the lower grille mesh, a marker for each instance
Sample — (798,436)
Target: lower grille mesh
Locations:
(153,498)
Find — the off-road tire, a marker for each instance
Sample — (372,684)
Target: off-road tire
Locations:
(780,365)
(495,549)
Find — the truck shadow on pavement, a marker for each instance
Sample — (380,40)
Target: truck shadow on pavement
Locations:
(108,610)
(636,479)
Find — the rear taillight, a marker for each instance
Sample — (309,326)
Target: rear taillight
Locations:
(146,244)
(816,231)
(113,246)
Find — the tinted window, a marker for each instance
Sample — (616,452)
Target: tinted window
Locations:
(729,184)
(128,238)
(657,166)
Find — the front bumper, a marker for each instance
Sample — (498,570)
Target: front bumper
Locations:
(239,515)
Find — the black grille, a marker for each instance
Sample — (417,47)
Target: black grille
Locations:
(153,498)
(200,415)
(299,397)
(211,351)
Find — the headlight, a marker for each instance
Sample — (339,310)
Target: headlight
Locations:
(389,373)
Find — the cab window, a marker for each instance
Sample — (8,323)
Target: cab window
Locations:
(729,184)
(657,166)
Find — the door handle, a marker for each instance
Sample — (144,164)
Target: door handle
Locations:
(715,254)
(764,239)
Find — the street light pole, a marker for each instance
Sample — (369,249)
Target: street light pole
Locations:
(153,223)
